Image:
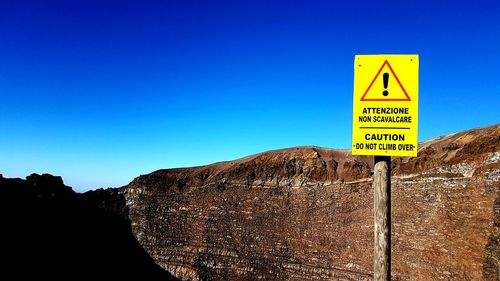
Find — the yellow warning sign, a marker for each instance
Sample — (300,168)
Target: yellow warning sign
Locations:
(385,115)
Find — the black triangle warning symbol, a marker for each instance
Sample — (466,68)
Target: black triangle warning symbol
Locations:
(382,88)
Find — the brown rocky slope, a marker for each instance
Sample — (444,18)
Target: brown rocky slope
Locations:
(305,213)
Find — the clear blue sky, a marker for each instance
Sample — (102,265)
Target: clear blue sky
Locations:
(102,91)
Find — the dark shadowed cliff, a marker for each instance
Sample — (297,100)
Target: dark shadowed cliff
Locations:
(49,232)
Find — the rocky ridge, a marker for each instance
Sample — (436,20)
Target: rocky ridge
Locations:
(305,213)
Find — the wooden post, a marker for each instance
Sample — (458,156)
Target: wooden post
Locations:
(382,215)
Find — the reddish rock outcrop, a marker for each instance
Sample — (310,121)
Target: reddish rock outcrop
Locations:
(305,213)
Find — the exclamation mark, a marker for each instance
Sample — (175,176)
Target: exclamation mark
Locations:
(386,82)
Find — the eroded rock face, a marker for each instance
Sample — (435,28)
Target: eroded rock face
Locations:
(306,214)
